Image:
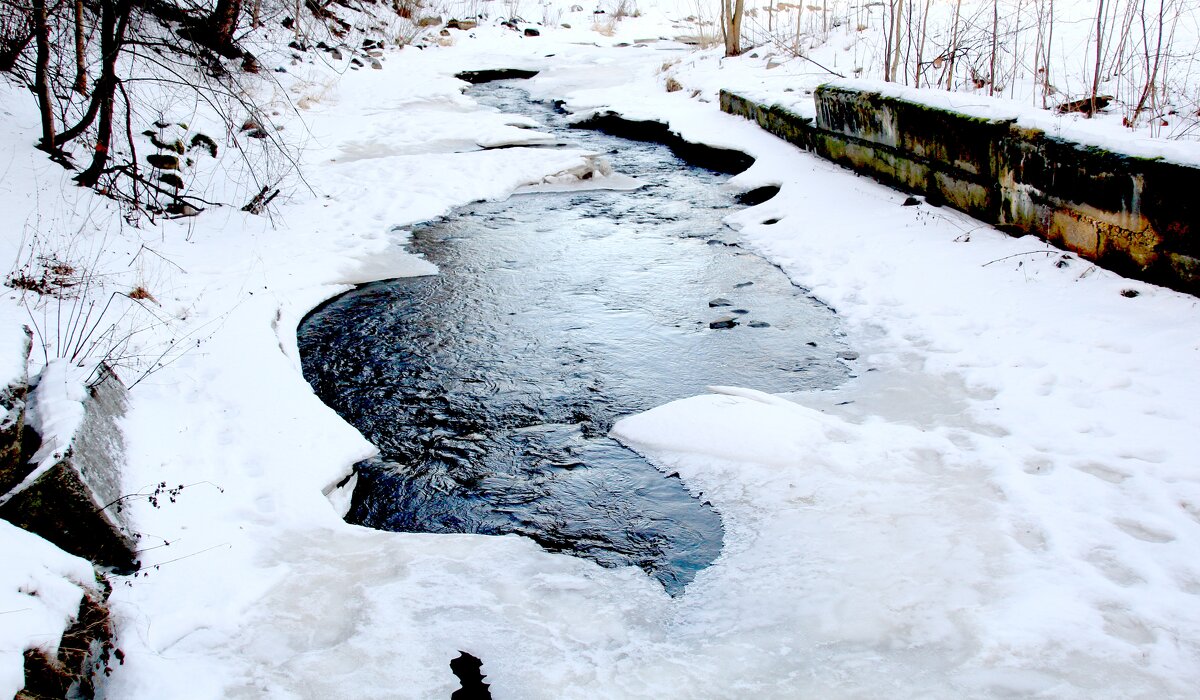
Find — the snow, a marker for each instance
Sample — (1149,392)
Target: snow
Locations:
(40,590)
(1069,127)
(1003,502)
(55,410)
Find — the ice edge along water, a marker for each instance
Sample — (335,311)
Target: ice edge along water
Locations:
(1008,504)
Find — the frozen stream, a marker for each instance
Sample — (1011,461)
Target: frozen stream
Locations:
(490,388)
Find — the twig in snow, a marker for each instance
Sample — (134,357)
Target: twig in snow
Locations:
(1017,255)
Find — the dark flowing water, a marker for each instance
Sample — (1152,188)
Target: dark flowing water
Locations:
(489,388)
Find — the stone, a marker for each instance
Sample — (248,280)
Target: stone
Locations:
(723,323)
(175,146)
(847,355)
(911,202)
(75,501)
(13,468)
(204,142)
(469,670)
(719,301)
(1085,106)
(530,31)
(162,161)
(759,324)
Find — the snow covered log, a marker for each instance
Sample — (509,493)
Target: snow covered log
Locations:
(73,494)
(1130,213)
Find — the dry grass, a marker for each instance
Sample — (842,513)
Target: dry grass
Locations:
(139,292)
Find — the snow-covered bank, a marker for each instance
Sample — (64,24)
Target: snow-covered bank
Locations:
(1003,503)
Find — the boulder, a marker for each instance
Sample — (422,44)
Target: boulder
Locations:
(162,161)
(73,495)
(13,468)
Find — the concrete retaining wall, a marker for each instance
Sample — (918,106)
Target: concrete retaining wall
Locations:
(1138,216)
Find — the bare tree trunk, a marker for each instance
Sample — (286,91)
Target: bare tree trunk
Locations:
(953,47)
(732,25)
(80,51)
(41,75)
(894,63)
(1099,56)
(1151,69)
(114,18)
(1049,45)
(889,37)
(799,16)
(921,45)
(10,51)
(995,39)
(1017,54)
(224,21)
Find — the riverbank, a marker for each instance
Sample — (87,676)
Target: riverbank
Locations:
(1002,502)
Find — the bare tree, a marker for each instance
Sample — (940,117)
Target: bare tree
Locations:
(80,51)
(731,25)
(1099,56)
(41,79)
(224,22)
(114,20)
(995,41)
(953,52)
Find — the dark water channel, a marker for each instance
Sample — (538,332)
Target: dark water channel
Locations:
(489,388)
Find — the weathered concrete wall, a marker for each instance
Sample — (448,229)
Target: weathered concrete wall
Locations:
(75,502)
(1138,216)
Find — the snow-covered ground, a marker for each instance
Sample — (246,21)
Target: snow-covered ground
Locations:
(1004,502)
